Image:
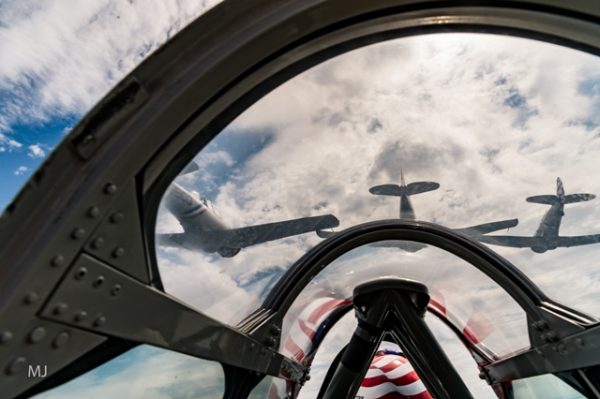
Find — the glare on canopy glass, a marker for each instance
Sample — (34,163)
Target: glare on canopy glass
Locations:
(476,305)
(459,128)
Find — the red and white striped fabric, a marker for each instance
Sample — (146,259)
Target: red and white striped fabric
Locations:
(300,340)
(391,376)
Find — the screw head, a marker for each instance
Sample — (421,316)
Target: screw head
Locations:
(115,290)
(16,366)
(110,188)
(78,233)
(61,339)
(118,252)
(59,309)
(36,335)
(31,298)
(98,242)
(58,260)
(99,281)
(100,321)
(117,217)
(80,316)
(93,212)
(5,337)
(80,273)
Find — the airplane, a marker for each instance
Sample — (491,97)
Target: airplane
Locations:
(546,236)
(407,212)
(205,230)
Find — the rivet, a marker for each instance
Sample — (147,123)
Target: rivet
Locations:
(78,233)
(61,308)
(61,339)
(110,188)
(579,342)
(80,316)
(93,212)
(100,321)
(80,273)
(5,336)
(99,281)
(58,260)
(37,334)
(30,298)
(16,366)
(98,243)
(117,217)
(118,252)
(115,290)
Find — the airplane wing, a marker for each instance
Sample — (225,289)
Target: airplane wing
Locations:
(577,240)
(488,227)
(512,241)
(170,240)
(252,235)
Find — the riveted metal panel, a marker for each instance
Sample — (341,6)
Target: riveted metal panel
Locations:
(118,239)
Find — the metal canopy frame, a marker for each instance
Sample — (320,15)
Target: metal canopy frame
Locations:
(70,214)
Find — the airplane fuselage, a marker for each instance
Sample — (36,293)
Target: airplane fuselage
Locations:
(549,227)
(406,209)
(197,218)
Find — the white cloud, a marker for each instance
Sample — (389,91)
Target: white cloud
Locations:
(36,151)
(8,144)
(21,170)
(60,57)
(436,106)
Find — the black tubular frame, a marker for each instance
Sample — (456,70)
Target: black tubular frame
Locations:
(127,150)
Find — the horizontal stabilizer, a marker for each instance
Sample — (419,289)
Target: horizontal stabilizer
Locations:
(489,227)
(421,187)
(252,235)
(325,233)
(577,240)
(572,198)
(544,199)
(386,189)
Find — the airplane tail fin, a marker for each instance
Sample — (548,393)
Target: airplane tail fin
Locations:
(572,198)
(421,187)
(544,199)
(560,197)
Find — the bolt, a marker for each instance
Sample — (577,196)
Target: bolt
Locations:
(117,217)
(31,298)
(99,281)
(16,366)
(118,252)
(5,336)
(80,316)
(115,290)
(579,342)
(61,339)
(93,212)
(80,273)
(37,334)
(78,233)
(562,349)
(58,260)
(100,321)
(110,188)
(98,243)
(270,342)
(61,308)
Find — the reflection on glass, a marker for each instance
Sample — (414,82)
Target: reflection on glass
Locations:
(456,129)
(544,386)
(486,315)
(146,372)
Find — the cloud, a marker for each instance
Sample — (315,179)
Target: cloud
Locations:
(21,170)
(59,58)
(8,144)
(36,151)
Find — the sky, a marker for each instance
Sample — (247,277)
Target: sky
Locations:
(493,119)
(59,58)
